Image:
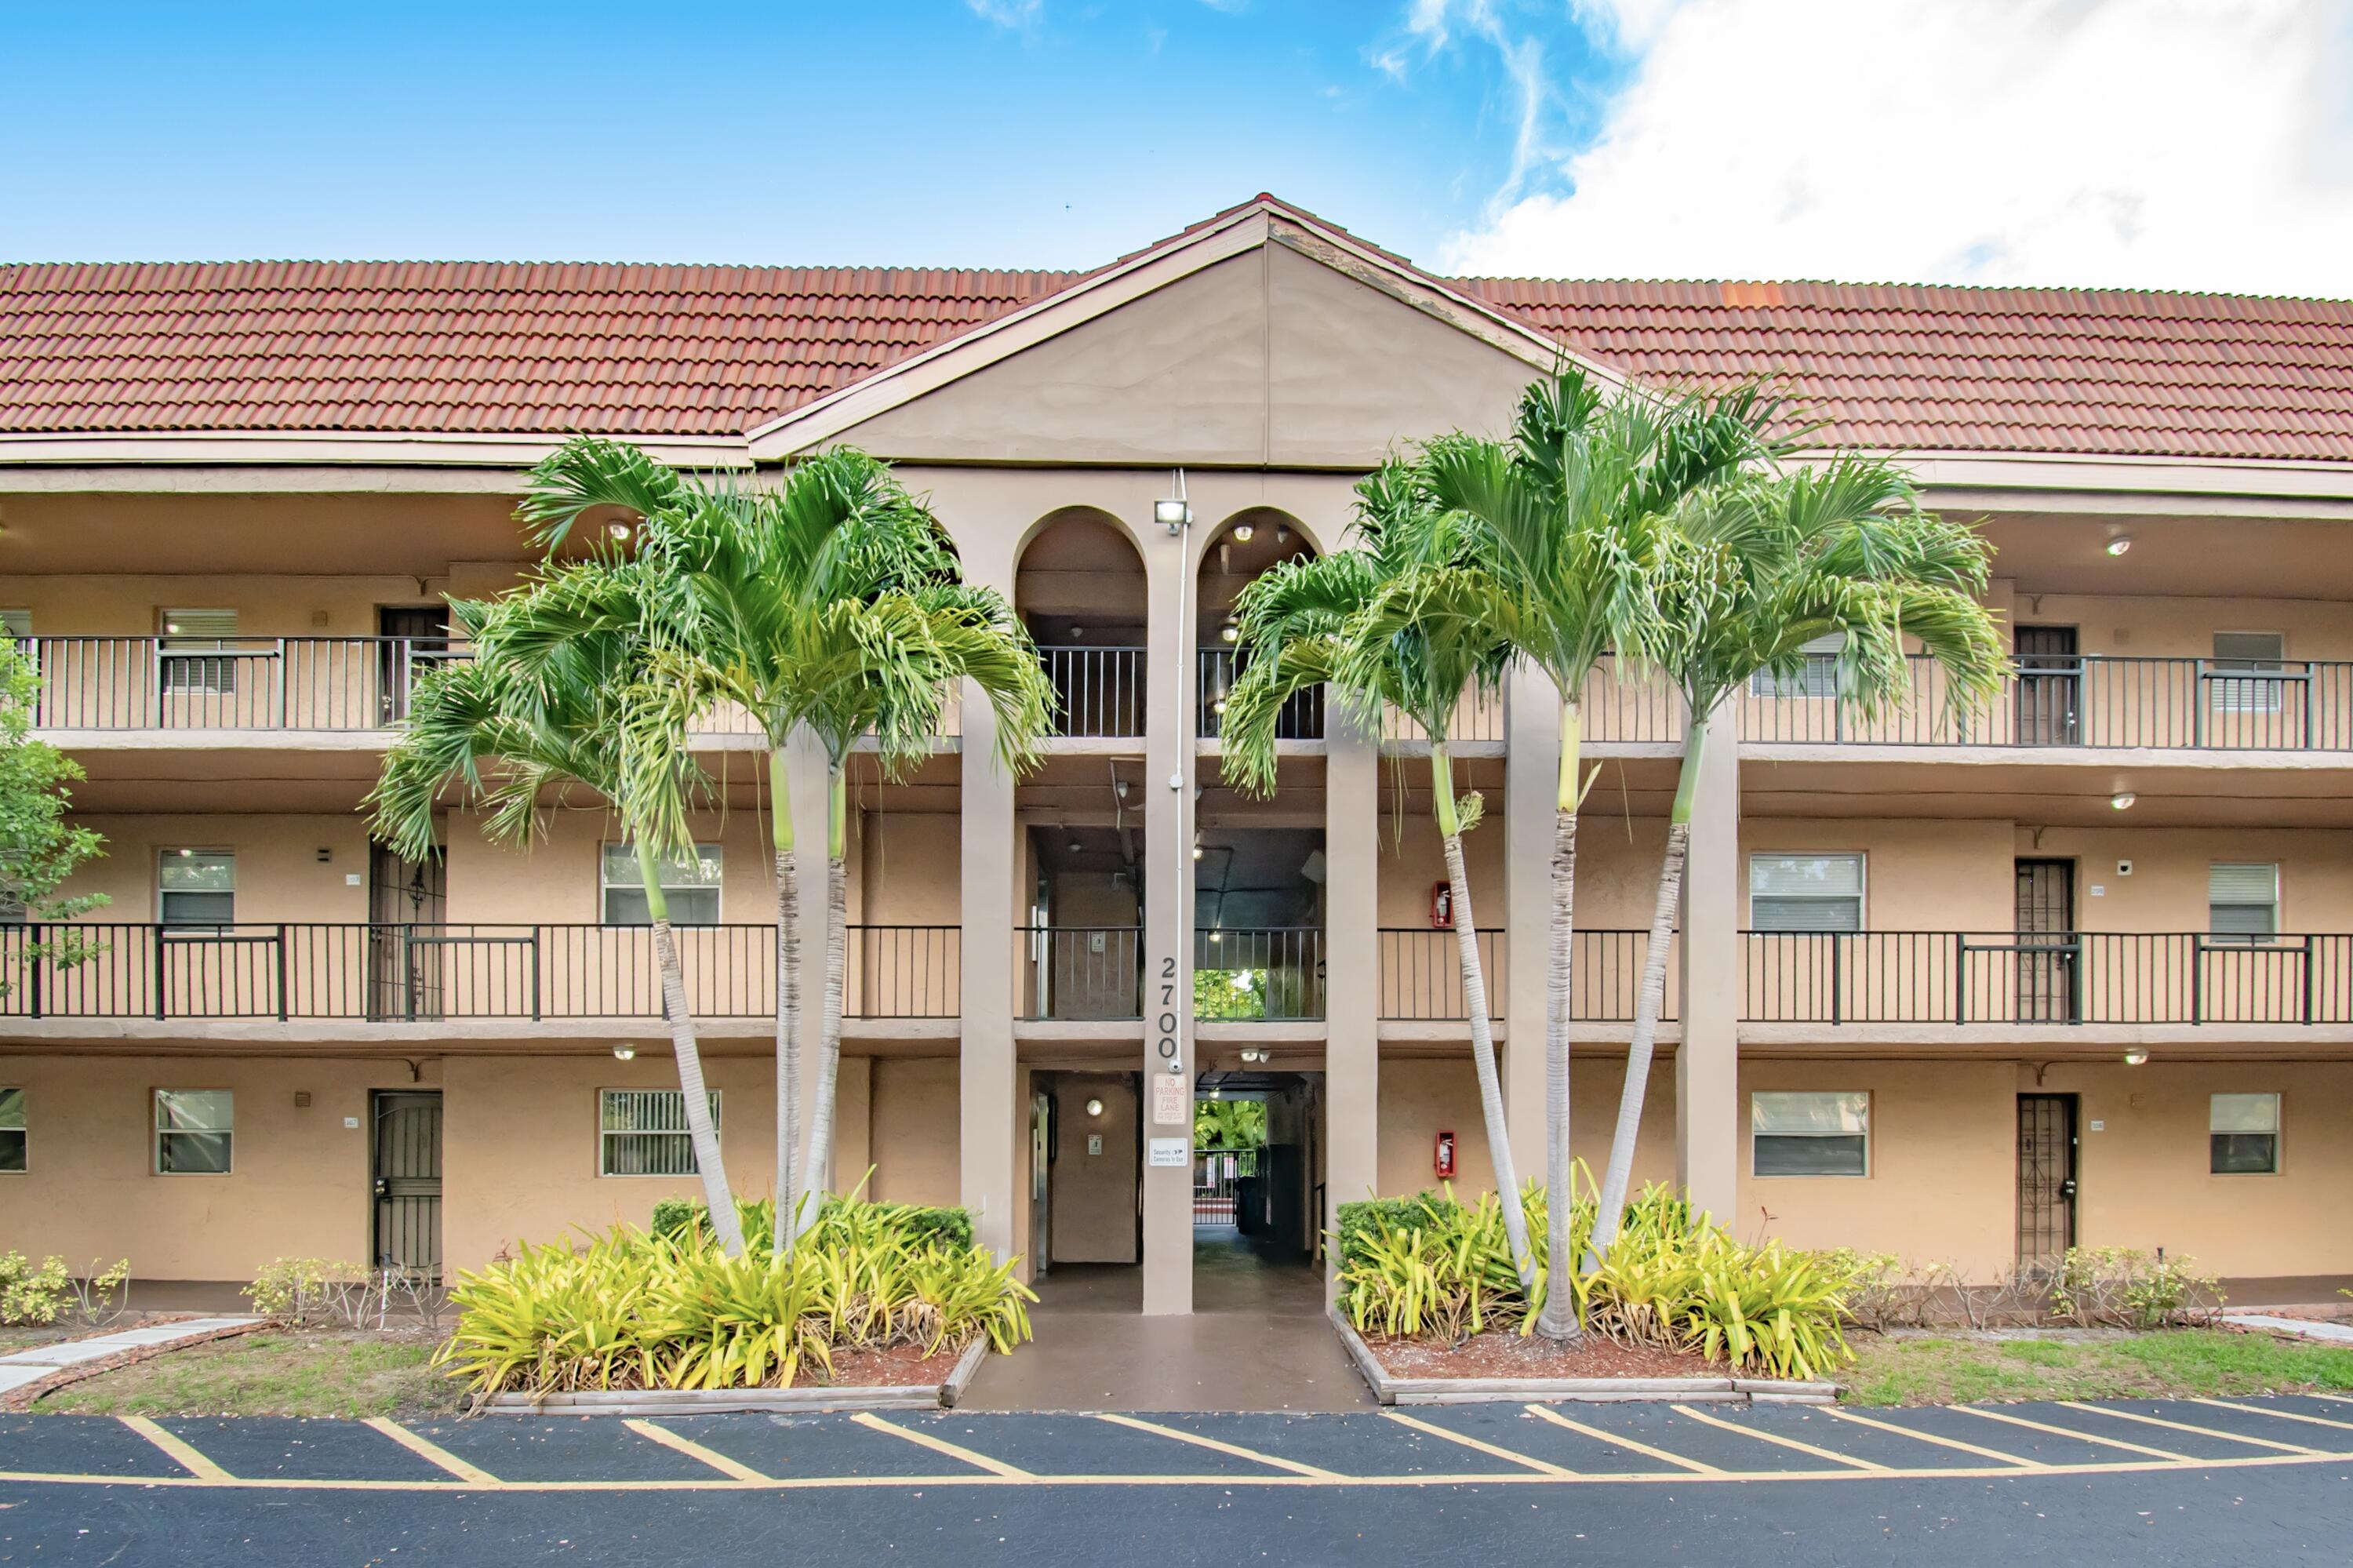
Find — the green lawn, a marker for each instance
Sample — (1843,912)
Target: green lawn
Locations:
(273,1373)
(2173,1363)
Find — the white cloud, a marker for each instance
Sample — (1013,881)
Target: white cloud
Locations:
(1022,15)
(1431,26)
(2171,144)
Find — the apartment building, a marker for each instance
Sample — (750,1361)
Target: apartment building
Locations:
(2078,971)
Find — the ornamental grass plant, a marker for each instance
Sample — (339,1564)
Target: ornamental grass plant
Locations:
(630,1309)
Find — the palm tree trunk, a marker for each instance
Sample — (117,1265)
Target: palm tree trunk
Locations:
(724,1222)
(1483,1033)
(836,972)
(789,998)
(1560,1318)
(1649,1002)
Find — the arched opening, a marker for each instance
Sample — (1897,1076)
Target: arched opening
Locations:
(1079,589)
(1245,547)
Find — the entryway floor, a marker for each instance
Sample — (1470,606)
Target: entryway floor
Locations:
(1257,1339)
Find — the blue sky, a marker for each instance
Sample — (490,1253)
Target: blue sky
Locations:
(2186,143)
(904,132)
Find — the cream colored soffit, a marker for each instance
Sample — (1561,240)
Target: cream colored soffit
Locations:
(1247,228)
(2145,486)
(24,455)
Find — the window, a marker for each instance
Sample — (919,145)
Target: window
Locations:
(12,1129)
(2242,1135)
(2243,902)
(1805,892)
(2263,652)
(196,888)
(1809,1134)
(691,887)
(642,1132)
(1818,679)
(191,1131)
(196,651)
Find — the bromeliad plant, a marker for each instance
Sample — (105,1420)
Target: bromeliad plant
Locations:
(633,1311)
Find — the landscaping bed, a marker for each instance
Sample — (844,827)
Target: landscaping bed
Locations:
(1963,1369)
(1513,1355)
(275,1371)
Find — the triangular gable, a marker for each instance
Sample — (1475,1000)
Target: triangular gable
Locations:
(1262,337)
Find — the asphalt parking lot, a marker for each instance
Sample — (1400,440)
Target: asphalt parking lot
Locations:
(2143,1481)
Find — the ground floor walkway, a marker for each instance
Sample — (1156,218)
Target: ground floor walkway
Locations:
(1257,1339)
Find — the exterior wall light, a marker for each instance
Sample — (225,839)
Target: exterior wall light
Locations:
(1242,532)
(624,1053)
(619,531)
(2122,800)
(2119,545)
(2136,1057)
(1230,632)
(1095,1108)
(1173,513)
(1199,852)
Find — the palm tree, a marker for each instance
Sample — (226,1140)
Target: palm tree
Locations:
(1569,513)
(1400,621)
(833,604)
(1754,570)
(559,692)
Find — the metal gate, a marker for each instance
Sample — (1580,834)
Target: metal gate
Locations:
(406,898)
(407,1170)
(2046,1181)
(2050,686)
(411,640)
(2050,953)
(1218,1176)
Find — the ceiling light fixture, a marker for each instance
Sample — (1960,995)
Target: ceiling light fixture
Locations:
(624,1053)
(1230,632)
(2122,800)
(1282,533)
(619,531)
(2136,1057)
(1243,532)
(2119,545)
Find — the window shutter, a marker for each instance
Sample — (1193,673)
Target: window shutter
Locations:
(1805,892)
(2242,900)
(2244,1113)
(200,625)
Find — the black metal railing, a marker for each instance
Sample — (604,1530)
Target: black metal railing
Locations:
(2078,977)
(1301,717)
(1075,972)
(1421,975)
(1258,972)
(2076,701)
(428,973)
(1097,691)
(239,683)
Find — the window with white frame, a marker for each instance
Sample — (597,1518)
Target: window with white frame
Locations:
(1809,1134)
(196,888)
(12,1129)
(1817,678)
(2242,1135)
(690,886)
(2242,901)
(642,1132)
(193,1131)
(1805,892)
(196,651)
(2264,655)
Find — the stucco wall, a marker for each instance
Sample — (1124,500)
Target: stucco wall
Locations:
(1093,1202)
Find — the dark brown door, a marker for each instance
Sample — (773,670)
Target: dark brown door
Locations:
(408,1181)
(2049,951)
(2050,686)
(406,910)
(2046,1179)
(414,638)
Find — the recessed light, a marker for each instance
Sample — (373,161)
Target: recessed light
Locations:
(2122,800)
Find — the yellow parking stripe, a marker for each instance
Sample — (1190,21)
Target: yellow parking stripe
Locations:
(941,1446)
(1617,1441)
(1469,1442)
(1776,1438)
(181,1453)
(2185,1426)
(2282,1414)
(1234,1450)
(2079,1437)
(1941,1442)
(694,1450)
(433,1453)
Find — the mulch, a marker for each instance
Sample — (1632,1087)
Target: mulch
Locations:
(18,1400)
(900,1366)
(1510,1354)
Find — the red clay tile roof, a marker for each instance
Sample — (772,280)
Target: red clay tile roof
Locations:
(495,347)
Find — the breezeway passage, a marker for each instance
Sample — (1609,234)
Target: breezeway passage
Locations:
(1482,1444)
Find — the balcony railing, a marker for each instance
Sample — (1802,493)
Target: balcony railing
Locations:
(2082,976)
(2077,700)
(1421,975)
(428,973)
(247,683)
(1258,972)
(1075,972)
(1098,690)
(1301,717)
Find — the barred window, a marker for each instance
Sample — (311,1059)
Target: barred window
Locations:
(1808,1134)
(193,1131)
(642,1132)
(2262,655)
(690,885)
(12,1129)
(2242,1135)
(198,652)
(1805,892)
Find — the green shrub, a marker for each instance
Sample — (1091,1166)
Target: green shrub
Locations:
(675,1217)
(1431,1266)
(2121,1288)
(634,1309)
(32,1293)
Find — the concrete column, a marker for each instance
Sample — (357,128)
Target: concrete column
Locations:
(1707,1064)
(1530,775)
(1169,562)
(989,1086)
(1351,1054)
(805,776)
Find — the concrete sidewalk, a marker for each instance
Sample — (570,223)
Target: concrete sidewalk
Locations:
(21,1367)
